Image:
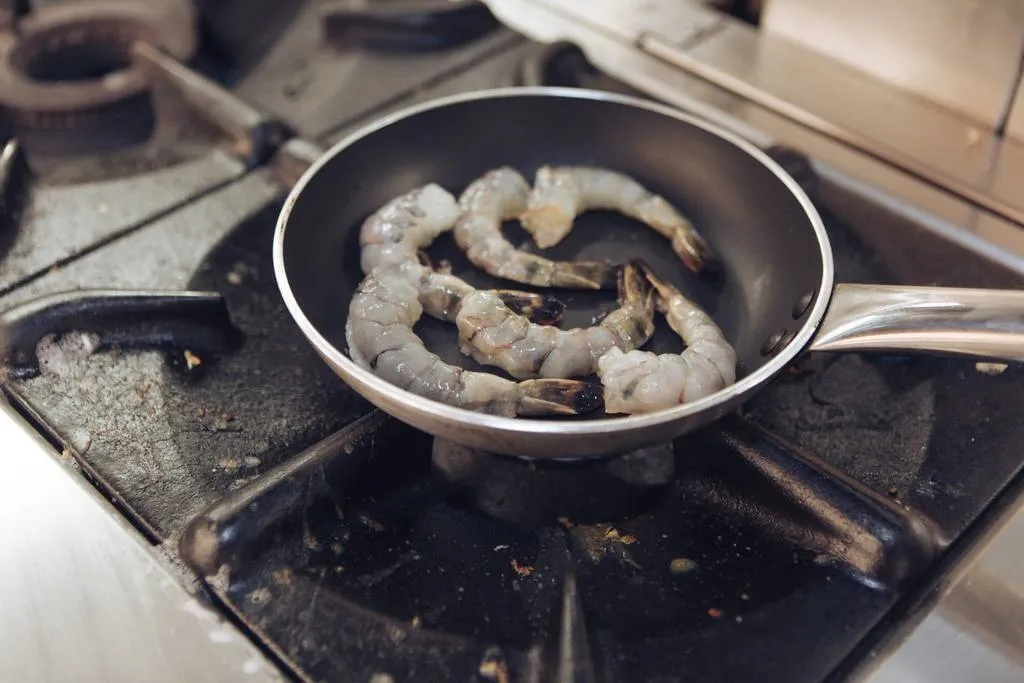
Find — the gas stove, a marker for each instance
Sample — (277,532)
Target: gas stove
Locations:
(145,339)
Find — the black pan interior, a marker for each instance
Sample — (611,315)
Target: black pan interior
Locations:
(770,256)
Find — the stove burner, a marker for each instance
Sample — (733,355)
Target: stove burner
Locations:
(408,25)
(536,493)
(67,81)
(357,539)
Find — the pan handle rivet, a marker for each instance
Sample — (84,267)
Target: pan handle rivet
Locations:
(772,343)
(802,304)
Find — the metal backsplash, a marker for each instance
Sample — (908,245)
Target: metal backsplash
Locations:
(962,54)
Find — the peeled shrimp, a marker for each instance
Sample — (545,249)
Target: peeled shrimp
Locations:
(380,337)
(642,382)
(491,334)
(560,193)
(501,195)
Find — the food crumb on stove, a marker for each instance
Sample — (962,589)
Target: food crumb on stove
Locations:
(397,634)
(564,521)
(251,462)
(371,523)
(613,534)
(381,678)
(893,492)
(521,569)
(339,569)
(739,619)
(714,612)
(192,360)
(237,273)
(202,412)
(68,458)
(494,671)
(337,548)
(239,483)
(259,596)
(416,621)
(681,565)
(493,667)
(349,448)
(500,547)
(824,559)
(283,576)
(230,465)
(744,596)
(990,368)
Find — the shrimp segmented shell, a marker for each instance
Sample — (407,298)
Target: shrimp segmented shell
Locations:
(492,334)
(395,235)
(398,289)
(380,338)
(399,230)
(642,382)
(501,195)
(561,193)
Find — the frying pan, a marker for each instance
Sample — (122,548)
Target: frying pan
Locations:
(774,297)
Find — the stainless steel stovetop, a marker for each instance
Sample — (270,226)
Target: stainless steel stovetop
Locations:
(174,461)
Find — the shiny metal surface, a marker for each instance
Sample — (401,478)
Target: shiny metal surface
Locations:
(82,596)
(788,90)
(552,438)
(964,322)
(1015,121)
(968,152)
(963,54)
(747,87)
(972,626)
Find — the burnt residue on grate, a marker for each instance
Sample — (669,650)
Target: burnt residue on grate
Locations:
(167,434)
(910,427)
(371,553)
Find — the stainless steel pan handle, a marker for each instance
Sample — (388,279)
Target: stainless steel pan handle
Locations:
(977,323)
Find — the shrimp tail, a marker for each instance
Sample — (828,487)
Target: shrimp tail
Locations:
(584,275)
(634,285)
(694,252)
(558,397)
(540,309)
(664,290)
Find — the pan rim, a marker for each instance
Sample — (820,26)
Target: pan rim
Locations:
(362,379)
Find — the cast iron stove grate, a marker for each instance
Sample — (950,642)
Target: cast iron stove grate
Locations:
(334,557)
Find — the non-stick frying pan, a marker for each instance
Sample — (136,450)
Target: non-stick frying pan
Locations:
(774,297)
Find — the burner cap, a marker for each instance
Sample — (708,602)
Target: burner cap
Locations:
(538,493)
(407,25)
(67,82)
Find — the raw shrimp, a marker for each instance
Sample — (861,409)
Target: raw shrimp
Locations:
(642,382)
(560,193)
(394,236)
(491,334)
(501,195)
(399,230)
(380,337)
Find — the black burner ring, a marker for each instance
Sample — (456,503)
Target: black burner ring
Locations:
(544,492)
(67,82)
